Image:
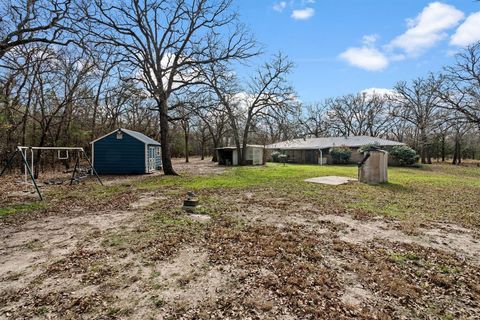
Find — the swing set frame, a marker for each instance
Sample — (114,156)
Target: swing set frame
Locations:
(28,167)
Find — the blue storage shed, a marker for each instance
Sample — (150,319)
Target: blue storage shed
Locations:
(126,152)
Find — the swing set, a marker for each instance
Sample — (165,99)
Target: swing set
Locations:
(63,153)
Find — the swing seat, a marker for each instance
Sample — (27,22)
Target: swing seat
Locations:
(62,157)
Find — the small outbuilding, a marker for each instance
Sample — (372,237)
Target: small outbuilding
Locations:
(126,152)
(228,156)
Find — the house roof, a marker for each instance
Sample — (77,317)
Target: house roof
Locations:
(248,145)
(329,142)
(135,134)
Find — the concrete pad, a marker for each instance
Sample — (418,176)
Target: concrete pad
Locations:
(199,217)
(331,180)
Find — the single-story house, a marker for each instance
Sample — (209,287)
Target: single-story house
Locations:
(228,156)
(126,152)
(317,150)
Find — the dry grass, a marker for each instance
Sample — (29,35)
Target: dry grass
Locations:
(276,247)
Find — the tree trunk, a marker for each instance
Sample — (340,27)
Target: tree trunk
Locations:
(38,156)
(244,147)
(245,140)
(236,134)
(457,156)
(423,146)
(202,149)
(186,141)
(443,148)
(215,146)
(165,139)
(459,152)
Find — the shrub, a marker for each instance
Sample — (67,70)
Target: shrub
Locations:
(404,155)
(367,147)
(275,156)
(340,154)
(282,158)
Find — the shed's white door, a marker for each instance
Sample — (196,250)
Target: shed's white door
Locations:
(151,159)
(257,156)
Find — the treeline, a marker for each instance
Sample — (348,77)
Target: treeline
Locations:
(75,70)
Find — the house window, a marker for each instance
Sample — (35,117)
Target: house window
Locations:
(159,152)
(119,135)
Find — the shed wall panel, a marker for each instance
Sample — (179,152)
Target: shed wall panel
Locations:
(119,156)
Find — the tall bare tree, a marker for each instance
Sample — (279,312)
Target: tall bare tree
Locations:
(418,103)
(165,41)
(359,114)
(461,89)
(314,119)
(266,92)
(24,22)
(216,122)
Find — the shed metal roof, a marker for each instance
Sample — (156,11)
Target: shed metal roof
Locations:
(135,134)
(330,142)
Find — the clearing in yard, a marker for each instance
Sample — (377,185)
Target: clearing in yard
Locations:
(330,180)
(275,247)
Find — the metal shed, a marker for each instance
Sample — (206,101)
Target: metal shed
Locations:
(229,155)
(125,151)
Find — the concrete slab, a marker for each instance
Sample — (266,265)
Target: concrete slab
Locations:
(199,217)
(331,180)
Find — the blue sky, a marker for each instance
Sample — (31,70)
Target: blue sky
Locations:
(341,47)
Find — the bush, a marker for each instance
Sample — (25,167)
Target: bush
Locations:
(282,158)
(367,147)
(404,155)
(275,156)
(340,154)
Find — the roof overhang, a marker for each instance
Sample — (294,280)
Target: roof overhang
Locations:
(125,132)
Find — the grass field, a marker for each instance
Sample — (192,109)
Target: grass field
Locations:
(265,245)
(440,193)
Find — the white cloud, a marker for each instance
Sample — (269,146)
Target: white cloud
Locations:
(366,58)
(428,28)
(468,32)
(303,14)
(280,6)
(370,39)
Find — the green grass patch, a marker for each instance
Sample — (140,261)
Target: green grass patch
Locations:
(114,240)
(161,218)
(401,258)
(433,192)
(430,192)
(20,208)
(244,177)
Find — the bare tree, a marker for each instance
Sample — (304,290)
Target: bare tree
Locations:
(314,119)
(166,41)
(202,136)
(31,21)
(418,103)
(461,89)
(359,114)
(216,122)
(266,92)
(278,125)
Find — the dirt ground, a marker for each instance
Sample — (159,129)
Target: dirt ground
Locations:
(259,255)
